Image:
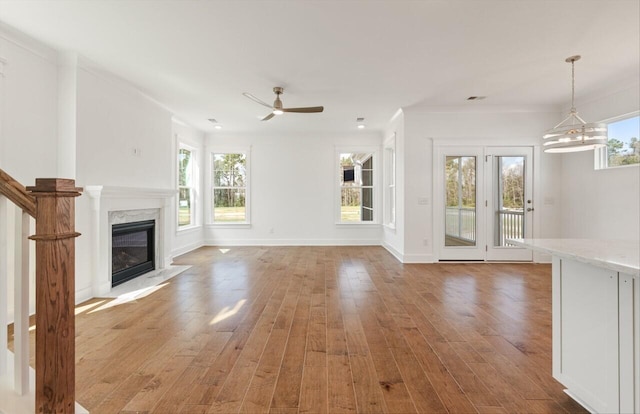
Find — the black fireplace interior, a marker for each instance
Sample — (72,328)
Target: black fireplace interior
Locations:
(132,250)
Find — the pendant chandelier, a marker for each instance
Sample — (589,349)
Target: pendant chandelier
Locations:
(573,133)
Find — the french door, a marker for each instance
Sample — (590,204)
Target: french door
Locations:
(483,199)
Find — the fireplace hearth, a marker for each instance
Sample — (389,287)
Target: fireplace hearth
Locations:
(132,250)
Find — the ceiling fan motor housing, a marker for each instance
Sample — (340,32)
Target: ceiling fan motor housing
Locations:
(277,104)
(278,108)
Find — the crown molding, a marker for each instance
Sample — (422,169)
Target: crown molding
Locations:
(28,43)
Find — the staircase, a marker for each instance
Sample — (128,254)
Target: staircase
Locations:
(50,205)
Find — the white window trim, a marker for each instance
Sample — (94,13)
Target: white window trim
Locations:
(389,184)
(600,159)
(210,223)
(375,151)
(195,174)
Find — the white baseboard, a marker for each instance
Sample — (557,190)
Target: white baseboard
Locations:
(418,258)
(185,249)
(84,294)
(292,242)
(393,251)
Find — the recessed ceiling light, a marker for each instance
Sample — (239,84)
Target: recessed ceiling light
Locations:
(360,126)
(360,121)
(218,127)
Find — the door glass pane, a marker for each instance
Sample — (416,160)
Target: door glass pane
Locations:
(460,201)
(509,202)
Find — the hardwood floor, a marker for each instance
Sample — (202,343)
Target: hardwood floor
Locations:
(323,329)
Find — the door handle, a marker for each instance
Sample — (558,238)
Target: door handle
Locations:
(529,209)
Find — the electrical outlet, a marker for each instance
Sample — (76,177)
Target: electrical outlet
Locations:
(271,230)
(425,242)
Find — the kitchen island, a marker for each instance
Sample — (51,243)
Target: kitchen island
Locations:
(596,320)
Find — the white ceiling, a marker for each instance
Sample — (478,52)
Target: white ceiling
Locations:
(357,58)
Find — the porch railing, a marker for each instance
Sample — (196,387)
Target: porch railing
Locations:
(510,226)
(460,222)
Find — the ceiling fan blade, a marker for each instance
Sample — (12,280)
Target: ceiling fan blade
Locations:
(268,117)
(253,98)
(306,110)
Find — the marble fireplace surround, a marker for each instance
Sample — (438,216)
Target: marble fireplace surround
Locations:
(116,205)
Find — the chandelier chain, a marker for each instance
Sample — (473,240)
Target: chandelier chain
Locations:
(573,86)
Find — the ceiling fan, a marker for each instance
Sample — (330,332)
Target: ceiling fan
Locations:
(277,108)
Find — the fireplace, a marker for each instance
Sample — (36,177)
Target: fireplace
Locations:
(132,250)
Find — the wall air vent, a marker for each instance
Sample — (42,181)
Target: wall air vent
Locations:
(476,98)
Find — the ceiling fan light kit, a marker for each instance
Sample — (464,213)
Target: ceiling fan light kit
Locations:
(278,109)
(573,134)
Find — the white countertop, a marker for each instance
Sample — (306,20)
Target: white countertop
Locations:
(618,255)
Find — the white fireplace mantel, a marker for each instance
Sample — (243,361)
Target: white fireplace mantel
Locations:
(106,201)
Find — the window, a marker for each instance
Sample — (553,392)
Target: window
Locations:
(356,187)
(623,147)
(186,186)
(230,187)
(390,183)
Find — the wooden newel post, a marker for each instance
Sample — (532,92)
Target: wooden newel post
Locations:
(55,294)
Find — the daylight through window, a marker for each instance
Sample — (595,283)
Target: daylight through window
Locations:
(623,147)
(186,187)
(356,187)
(229,188)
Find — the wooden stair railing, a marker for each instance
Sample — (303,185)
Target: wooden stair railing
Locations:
(51,203)
(17,194)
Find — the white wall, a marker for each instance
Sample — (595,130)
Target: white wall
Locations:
(185,240)
(459,126)
(28,122)
(113,119)
(293,191)
(28,105)
(601,204)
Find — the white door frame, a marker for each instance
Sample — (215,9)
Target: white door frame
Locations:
(484,175)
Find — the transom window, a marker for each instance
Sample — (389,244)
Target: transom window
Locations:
(356,187)
(230,188)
